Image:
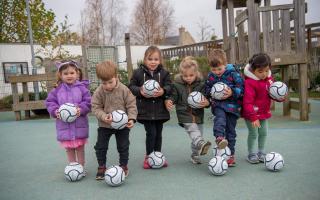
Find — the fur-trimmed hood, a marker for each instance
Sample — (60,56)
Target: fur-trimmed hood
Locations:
(248,73)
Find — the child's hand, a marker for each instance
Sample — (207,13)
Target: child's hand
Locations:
(158,93)
(130,123)
(58,114)
(78,112)
(227,93)
(144,94)
(204,103)
(256,124)
(108,119)
(169,104)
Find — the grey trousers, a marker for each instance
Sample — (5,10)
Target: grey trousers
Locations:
(195,132)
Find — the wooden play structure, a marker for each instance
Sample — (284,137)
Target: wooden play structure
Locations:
(267,29)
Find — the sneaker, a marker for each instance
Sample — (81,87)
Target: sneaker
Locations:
(125,169)
(84,173)
(221,142)
(195,159)
(145,163)
(165,163)
(100,173)
(253,158)
(205,146)
(231,161)
(261,156)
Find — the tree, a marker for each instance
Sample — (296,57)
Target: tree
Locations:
(206,31)
(152,21)
(14,26)
(101,22)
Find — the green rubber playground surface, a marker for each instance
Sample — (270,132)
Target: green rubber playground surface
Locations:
(32,164)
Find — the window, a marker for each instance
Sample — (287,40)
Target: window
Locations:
(14,68)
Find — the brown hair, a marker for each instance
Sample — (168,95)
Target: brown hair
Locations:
(150,50)
(189,63)
(106,70)
(63,67)
(217,57)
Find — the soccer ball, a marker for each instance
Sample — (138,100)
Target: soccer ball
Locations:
(150,86)
(194,99)
(119,119)
(273,161)
(114,176)
(278,90)
(73,171)
(218,166)
(217,90)
(224,153)
(68,112)
(156,160)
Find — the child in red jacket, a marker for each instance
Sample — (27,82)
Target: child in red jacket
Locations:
(256,103)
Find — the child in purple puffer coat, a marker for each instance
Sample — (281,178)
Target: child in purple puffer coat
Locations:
(71,89)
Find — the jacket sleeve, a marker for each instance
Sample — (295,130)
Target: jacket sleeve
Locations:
(52,103)
(248,101)
(174,94)
(167,85)
(131,105)
(207,87)
(133,86)
(85,105)
(98,105)
(237,89)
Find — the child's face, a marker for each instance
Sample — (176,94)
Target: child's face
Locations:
(262,73)
(152,61)
(110,84)
(218,70)
(69,75)
(189,75)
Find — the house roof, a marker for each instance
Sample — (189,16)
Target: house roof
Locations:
(171,40)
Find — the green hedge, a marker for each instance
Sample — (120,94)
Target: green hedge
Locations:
(6,102)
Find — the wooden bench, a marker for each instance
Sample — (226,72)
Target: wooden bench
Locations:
(27,105)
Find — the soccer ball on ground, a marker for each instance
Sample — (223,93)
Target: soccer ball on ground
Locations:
(150,86)
(217,90)
(68,112)
(114,176)
(119,119)
(273,161)
(224,153)
(73,171)
(156,160)
(194,99)
(218,166)
(278,90)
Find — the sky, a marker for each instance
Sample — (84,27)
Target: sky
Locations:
(187,13)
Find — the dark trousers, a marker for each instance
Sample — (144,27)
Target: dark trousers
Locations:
(101,147)
(154,135)
(225,126)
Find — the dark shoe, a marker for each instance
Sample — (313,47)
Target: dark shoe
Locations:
(126,170)
(205,146)
(195,159)
(231,161)
(100,173)
(221,142)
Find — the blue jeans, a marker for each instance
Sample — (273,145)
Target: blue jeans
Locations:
(225,126)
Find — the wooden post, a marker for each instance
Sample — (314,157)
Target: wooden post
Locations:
(266,27)
(26,98)
(299,28)
(232,37)
(85,62)
(286,103)
(128,55)
(253,28)
(224,27)
(15,99)
(241,41)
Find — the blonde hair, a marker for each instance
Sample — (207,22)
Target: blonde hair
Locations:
(106,70)
(189,63)
(217,57)
(151,50)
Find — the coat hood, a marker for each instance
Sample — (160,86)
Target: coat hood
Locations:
(248,73)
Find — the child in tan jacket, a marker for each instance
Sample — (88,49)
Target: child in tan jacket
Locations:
(109,96)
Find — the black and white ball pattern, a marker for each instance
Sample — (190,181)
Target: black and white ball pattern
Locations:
(156,160)
(73,172)
(119,119)
(274,161)
(224,153)
(217,90)
(194,99)
(68,112)
(150,86)
(114,176)
(278,90)
(218,166)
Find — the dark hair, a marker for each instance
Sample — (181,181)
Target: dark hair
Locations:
(260,60)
